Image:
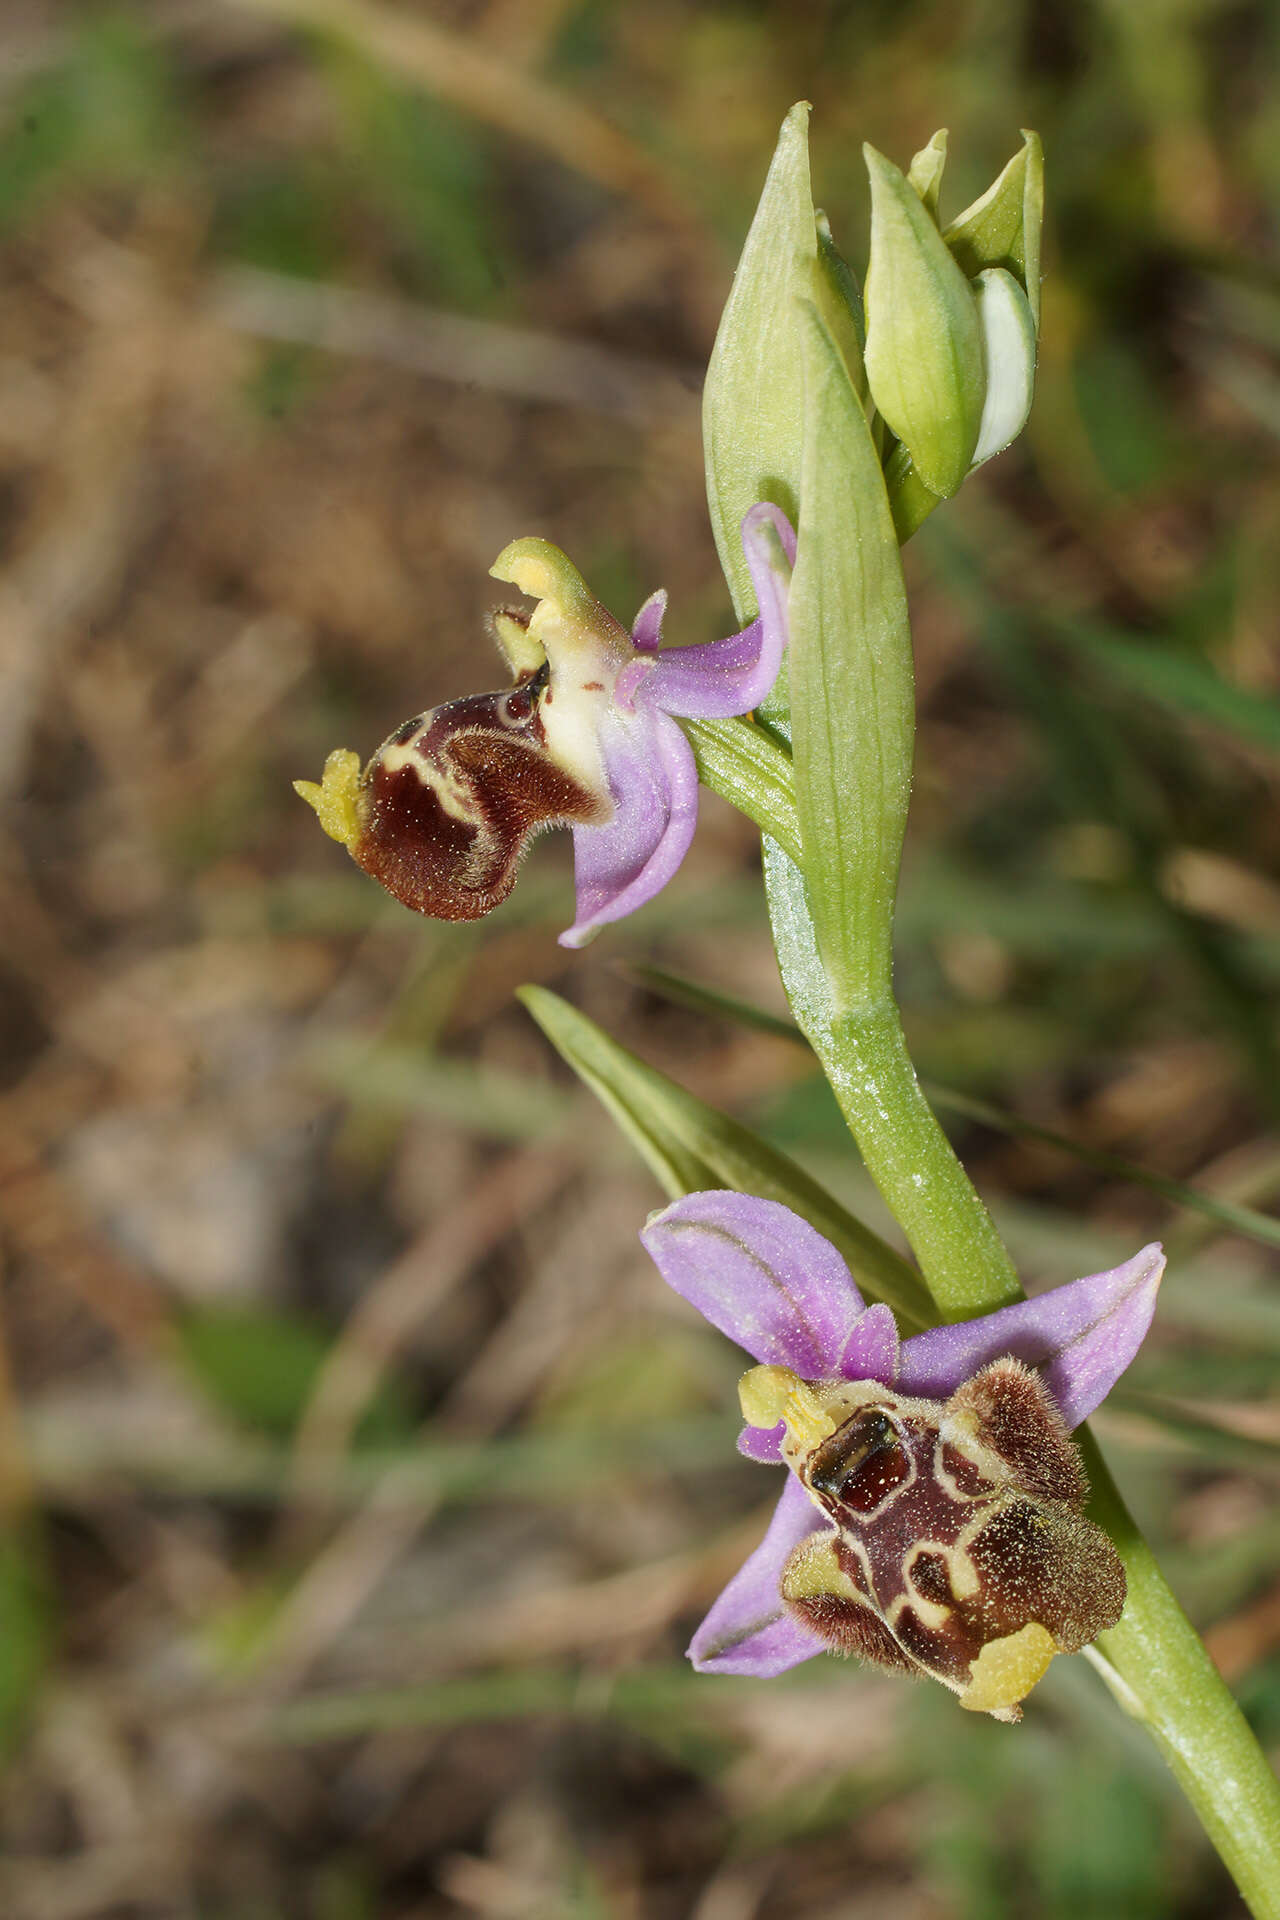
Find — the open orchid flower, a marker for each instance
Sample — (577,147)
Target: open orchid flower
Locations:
(584,738)
(932,1520)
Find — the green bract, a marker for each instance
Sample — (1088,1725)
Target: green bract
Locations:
(926,169)
(851,683)
(753,401)
(1002,227)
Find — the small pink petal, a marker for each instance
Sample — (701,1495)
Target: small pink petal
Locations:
(726,677)
(749,1630)
(646,634)
(871,1351)
(617,868)
(762,1443)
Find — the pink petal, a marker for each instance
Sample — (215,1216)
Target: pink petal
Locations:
(749,1630)
(1082,1336)
(646,634)
(871,1351)
(760,1274)
(762,1443)
(731,676)
(651,773)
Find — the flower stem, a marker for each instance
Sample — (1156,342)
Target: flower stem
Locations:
(863,1052)
(1158,1667)
(913,1164)
(1168,1681)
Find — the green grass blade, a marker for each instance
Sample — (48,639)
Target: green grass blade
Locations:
(1182,682)
(1236,1218)
(690,1145)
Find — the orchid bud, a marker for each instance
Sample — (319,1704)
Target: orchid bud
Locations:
(924,343)
(1009,357)
(925,172)
(1002,227)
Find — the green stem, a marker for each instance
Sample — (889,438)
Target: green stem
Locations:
(1155,1662)
(864,1055)
(913,1164)
(1162,1675)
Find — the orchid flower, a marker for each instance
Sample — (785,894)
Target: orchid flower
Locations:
(932,1516)
(585,738)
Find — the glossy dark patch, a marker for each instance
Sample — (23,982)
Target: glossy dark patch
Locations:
(862,1463)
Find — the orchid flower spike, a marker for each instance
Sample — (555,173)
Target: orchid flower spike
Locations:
(932,1520)
(585,739)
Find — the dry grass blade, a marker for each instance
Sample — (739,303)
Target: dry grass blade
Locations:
(413,1287)
(465,351)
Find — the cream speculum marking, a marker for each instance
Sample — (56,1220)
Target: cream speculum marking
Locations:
(958,1544)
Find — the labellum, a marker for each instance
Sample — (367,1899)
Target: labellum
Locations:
(959,1546)
(449,802)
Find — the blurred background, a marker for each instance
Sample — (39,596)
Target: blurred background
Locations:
(360,1483)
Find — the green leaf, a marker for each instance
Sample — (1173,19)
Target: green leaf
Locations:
(1009,353)
(925,172)
(753,401)
(924,344)
(1182,682)
(25,1617)
(1002,227)
(689,1146)
(260,1365)
(748,766)
(851,683)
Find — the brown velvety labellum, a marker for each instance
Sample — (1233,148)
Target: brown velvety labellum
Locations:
(958,1524)
(450,801)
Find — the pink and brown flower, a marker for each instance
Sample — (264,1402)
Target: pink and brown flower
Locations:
(585,738)
(933,1516)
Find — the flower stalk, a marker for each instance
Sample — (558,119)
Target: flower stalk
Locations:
(950,372)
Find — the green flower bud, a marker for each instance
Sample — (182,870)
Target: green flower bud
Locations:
(924,355)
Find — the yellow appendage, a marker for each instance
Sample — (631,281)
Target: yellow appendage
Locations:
(522,653)
(813,1571)
(334,799)
(770,1394)
(1006,1670)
